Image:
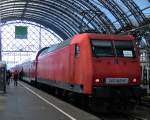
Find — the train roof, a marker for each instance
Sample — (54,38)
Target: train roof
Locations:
(56,46)
(84,36)
(79,37)
(106,36)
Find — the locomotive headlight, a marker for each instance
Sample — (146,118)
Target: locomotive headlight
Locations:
(97,80)
(134,80)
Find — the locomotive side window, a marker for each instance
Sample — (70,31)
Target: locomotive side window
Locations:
(102,48)
(124,48)
(77,50)
(44,52)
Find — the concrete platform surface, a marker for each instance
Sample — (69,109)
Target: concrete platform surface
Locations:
(24,102)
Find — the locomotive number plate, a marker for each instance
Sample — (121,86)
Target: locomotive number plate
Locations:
(117,80)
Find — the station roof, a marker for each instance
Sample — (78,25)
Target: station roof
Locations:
(68,17)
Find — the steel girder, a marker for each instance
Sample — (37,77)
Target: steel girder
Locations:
(42,13)
(116,11)
(65,17)
(135,10)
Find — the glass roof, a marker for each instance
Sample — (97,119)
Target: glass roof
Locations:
(68,17)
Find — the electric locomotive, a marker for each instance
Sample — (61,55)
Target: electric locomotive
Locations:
(99,66)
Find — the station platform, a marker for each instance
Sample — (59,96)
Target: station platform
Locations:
(23,102)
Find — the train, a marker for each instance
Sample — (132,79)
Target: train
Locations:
(93,66)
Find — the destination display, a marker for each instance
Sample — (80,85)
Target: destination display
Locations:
(117,80)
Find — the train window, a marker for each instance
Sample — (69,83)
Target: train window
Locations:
(77,50)
(124,48)
(44,52)
(102,48)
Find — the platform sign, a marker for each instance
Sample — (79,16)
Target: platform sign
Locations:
(2,76)
(21,32)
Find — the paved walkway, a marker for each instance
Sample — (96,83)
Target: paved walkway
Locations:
(24,102)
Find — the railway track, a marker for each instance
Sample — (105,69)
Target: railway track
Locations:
(121,116)
(141,112)
(137,117)
(145,103)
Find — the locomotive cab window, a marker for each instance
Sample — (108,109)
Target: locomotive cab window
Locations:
(102,48)
(77,50)
(124,49)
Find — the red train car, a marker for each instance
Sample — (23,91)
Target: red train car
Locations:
(90,64)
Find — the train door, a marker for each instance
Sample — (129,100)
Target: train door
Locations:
(74,61)
(34,71)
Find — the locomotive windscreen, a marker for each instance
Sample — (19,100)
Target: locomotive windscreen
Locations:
(102,48)
(124,48)
(120,48)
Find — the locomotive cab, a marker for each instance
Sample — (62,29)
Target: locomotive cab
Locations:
(116,67)
(115,63)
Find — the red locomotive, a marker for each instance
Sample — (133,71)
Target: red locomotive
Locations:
(89,64)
